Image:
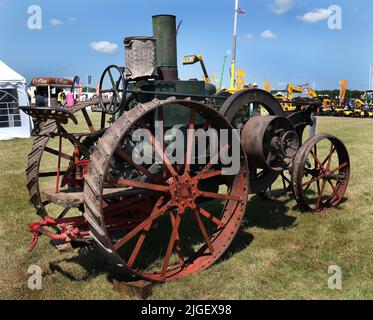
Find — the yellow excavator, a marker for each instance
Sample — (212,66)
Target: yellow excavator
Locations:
(333,107)
(358,111)
(364,105)
(368,97)
(358,103)
(326,107)
(288,107)
(239,77)
(187,60)
(341,107)
(359,106)
(337,107)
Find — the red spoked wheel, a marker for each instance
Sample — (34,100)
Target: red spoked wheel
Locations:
(58,161)
(193,209)
(321,173)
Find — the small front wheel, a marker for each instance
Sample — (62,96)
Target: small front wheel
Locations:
(321,173)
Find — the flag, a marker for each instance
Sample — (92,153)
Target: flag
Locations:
(76,80)
(179,25)
(241,11)
(343,84)
(89,80)
(240,79)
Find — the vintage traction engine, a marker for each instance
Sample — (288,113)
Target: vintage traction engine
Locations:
(161,220)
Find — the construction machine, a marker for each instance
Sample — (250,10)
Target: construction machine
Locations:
(291,106)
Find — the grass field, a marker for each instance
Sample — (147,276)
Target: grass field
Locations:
(279,252)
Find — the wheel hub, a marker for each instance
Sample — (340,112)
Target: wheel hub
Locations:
(328,175)
(289,144)
(184,192)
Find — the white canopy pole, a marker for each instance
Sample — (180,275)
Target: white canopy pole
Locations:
(233,66)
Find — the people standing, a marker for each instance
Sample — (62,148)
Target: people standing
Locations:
(60,98)
(39,99)
(70,100)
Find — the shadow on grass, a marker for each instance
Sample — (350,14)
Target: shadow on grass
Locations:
(89,258)
(94,264)
(264,214)
(268,214)
(240,242)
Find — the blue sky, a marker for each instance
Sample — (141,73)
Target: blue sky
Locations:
(279,40)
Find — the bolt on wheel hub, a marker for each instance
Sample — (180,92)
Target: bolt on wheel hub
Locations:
(184,191)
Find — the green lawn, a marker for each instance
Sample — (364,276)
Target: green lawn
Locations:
(279,252)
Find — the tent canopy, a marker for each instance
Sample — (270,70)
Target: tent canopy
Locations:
(7,74)
(13,123)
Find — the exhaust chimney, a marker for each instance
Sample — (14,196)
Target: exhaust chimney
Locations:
(164,29)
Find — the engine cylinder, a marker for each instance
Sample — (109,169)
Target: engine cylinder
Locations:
(270,142)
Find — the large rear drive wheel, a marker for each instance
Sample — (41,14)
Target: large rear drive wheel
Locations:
(166,220)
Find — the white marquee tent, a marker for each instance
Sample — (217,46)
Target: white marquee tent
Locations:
(13,93)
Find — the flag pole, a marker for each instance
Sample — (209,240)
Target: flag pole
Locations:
(222,71)
(233,65)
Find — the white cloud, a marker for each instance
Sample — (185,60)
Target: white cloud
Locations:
(249,36)
(282,6)
(55,22)
(104,46)
(316,15)
(268,34)
(73,19)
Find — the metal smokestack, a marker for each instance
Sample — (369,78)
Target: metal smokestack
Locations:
(164,28)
